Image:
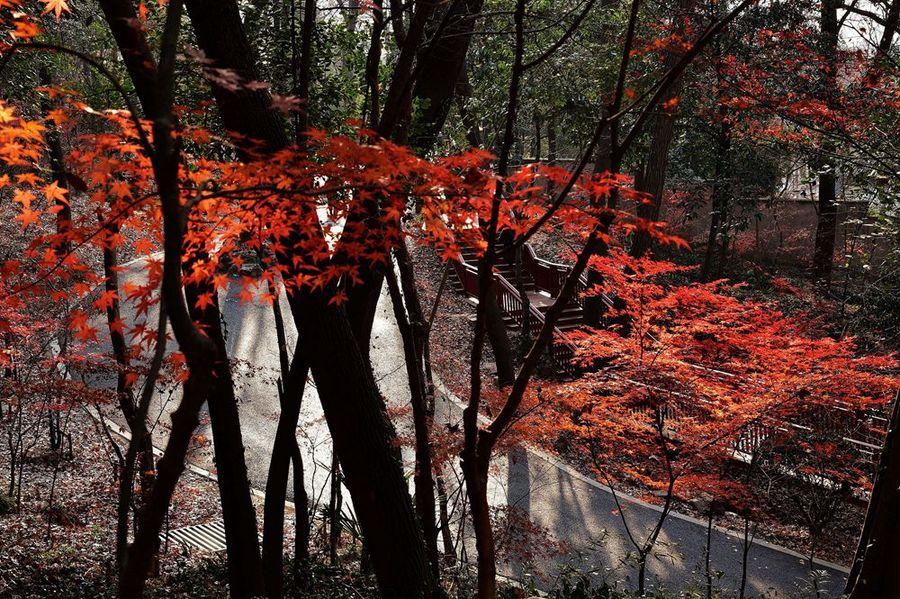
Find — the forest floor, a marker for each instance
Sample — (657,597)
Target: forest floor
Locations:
(61,541)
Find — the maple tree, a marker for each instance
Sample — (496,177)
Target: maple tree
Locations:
(698,378)
(676,382)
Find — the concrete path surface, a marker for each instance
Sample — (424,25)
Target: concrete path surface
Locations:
(571,506)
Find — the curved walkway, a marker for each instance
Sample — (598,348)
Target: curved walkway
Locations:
(572,507)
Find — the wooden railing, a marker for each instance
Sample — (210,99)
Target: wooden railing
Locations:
(551,276)
(561,351)
(548,276)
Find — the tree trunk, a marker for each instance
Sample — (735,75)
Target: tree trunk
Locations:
(538,141)
(720,196)
(443,64)
(363,294)
(470,123)
(446,533)
(301,517)
(284,449)
(746,543)
(363,436)
(874,573)
(133,578)
(365,443)
(652,179)
(891,21)
(826,227)
(708,555)
(62,244)
(238,513)
(552,151)
(335,505)
(498,335)
(475,471)
(422,475)
(501,345)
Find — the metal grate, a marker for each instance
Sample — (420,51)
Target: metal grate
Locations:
(205,537)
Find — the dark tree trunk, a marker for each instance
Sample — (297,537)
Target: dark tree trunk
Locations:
(238,513)
(362,295)
(891,21)
(594,307)
(335,506)
(501,345)
(139,452)
(58,171)
(208,363)
(707,555)
(552,151)
(198,350)
(475,472)
(746,544)
(363,436)
(301,516)
(720,196)
(874,573)
(498,335)
(220,34)
(372,107)
(652,178)
(63,229)
(470,123)
(443,63)
(284,448)
(169,469)
(365,443)
(446,533)
(410,333)
(292,383)
(284,451)
(826,227)
(475,458)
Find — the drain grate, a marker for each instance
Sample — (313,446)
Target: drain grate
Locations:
(206,537)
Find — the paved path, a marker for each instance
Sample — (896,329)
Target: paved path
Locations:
(571,506)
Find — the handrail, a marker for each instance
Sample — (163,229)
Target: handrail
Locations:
(561,350)
(548,276)
(551,276)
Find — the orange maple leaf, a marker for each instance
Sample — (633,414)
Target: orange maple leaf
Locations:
(54,192)
(143,246)
(57,7)
(204,300)
(106,299)
(338,298)
(20,196)
(27,217)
